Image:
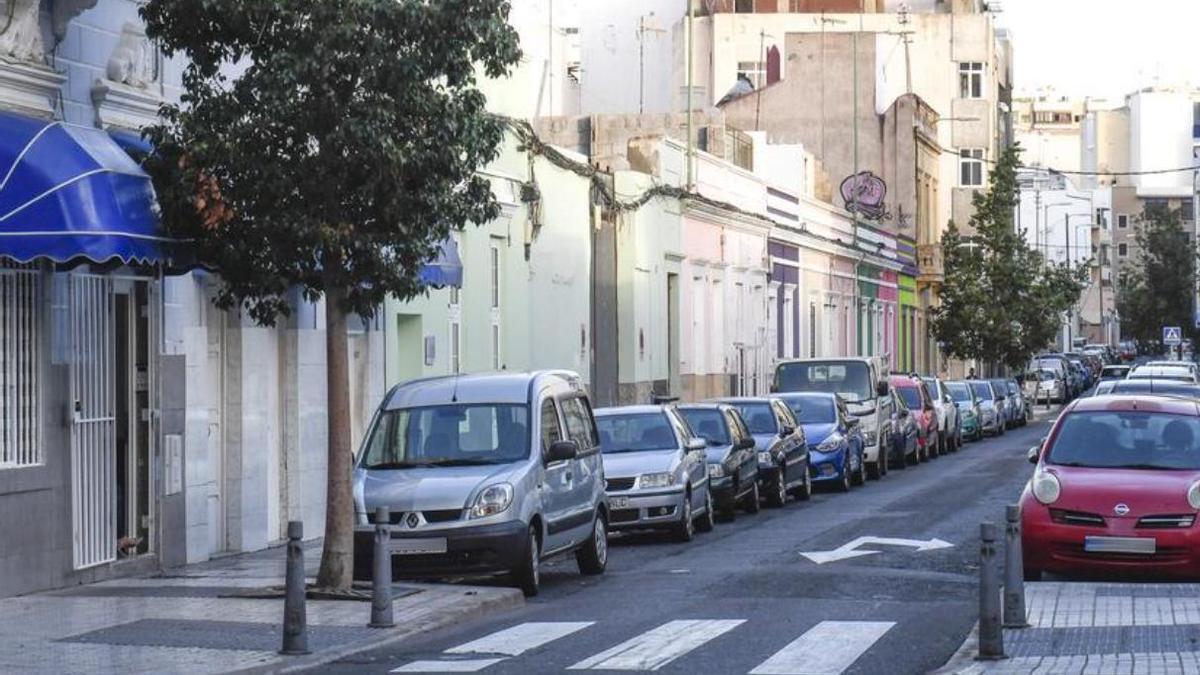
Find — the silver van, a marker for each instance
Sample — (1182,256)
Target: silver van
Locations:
(483,475)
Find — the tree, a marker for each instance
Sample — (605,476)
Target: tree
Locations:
(1156,289)
(328,145)
(1001,301)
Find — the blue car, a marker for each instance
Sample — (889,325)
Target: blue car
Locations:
(835,441)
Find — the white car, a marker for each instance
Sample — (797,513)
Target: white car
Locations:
(949,424)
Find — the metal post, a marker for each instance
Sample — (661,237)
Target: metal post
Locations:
(295,621)
(991,636)
(1014,570)
(381,577)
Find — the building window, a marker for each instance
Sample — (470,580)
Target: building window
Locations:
(1187,210)
(970,165)
(1122,220)
(1122,250)
(497,280)
(970,80)
(746,6)
(755,71)
(20,354)
(1156,204)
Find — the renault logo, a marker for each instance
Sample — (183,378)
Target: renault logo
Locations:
(414,519)
(1121,509)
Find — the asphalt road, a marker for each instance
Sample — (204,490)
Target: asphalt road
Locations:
(743,599)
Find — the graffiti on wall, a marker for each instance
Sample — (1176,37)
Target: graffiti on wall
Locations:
(865,194)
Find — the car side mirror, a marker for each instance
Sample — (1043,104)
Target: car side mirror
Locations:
(946,399)
(881,389)
(561,451)
(1033,454)
(694,444)
(903,414)
(745,444)
(786,431)
(852,423)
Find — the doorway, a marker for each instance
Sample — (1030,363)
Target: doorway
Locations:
(673,334)
(132,383)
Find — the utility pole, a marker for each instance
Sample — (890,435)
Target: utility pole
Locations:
(690,140)
(642,30)
(906,36)
(762,53)
(1071,309)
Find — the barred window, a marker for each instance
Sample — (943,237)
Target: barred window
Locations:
(20,352)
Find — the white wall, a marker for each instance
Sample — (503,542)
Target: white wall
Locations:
(1161,138)
(614,70)
(539,85)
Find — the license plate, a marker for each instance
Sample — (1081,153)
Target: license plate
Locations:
(418,546)
(764,458)
(1138,545)
(619,502)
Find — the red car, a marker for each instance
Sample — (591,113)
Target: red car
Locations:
(917,397)
(1116,490)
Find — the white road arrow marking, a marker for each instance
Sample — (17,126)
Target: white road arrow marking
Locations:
(851,550)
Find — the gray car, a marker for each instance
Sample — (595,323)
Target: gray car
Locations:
(483,474)
(732,459)
(655,470)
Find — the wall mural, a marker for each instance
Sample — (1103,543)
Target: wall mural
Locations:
(864,194)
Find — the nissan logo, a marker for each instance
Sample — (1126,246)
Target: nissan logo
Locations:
(415,520)
(1121,510)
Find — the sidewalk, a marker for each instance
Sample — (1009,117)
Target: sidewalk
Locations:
(1101,628)
(191,620)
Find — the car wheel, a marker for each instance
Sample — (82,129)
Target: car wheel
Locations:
(844,483)
(593,557)
(751,503)
(707,521)
(1033,574)
(778,496)
(804,492)
(528,576)
(685,529)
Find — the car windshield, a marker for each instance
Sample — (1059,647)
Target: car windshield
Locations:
(1000,389)
(759,417)
(1156,387)
(850,379)
(448,435)
(813,409)
(1115,371)
(961,393)
(912,397)
(931,386)
(635,433)
(707,423)
(982,390)
(1128,440)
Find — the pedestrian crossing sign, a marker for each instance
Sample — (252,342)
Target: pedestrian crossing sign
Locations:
(1172,335)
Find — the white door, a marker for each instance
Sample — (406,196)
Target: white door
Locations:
(93,425)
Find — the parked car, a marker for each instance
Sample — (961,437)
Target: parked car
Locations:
(1062,369)
(1045,385)
(1116,490)
(779,440)
(655,471)
(1128,351)
(484,474)
(1119,372)
(1019,409)
(862,384)
(967,405)
(949,420)
(1084,375)
(835,441)
(732,459)
(991,416)
(905,434)
(1175,373)
(1154,387)
(916,398)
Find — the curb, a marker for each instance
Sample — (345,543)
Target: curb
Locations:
(964,657)
(502,599)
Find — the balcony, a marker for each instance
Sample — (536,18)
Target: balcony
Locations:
(930,265)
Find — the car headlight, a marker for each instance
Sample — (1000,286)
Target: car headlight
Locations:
(494,499)
(716,471)
(1194,495)
(830,444)
(656,480)
(870,437)
(1046,487)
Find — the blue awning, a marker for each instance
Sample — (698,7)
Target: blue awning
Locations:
(446,269)
(131,142)
(71,193)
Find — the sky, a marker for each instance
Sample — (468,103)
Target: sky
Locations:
(1103,47)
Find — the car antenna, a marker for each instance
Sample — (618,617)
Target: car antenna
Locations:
(454,393)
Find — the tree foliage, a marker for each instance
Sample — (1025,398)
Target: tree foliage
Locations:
(330,146)
(1001,301)
(326,142)
(1155,289)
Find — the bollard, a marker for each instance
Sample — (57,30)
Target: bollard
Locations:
(991,637)
(295,621)
(381,577)
(1014,570)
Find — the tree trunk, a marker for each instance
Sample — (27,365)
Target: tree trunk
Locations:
(337,557)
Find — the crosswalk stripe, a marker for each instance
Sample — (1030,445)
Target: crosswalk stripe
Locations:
(520,638)
(658,647)
(472,666)
(828,648)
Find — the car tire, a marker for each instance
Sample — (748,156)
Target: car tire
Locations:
(860,476)
(593,556)
(778,496)
(751,503)
(1032,574)
(804,492)
(528,576)
(685,529)
(843,484)
(707,521)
